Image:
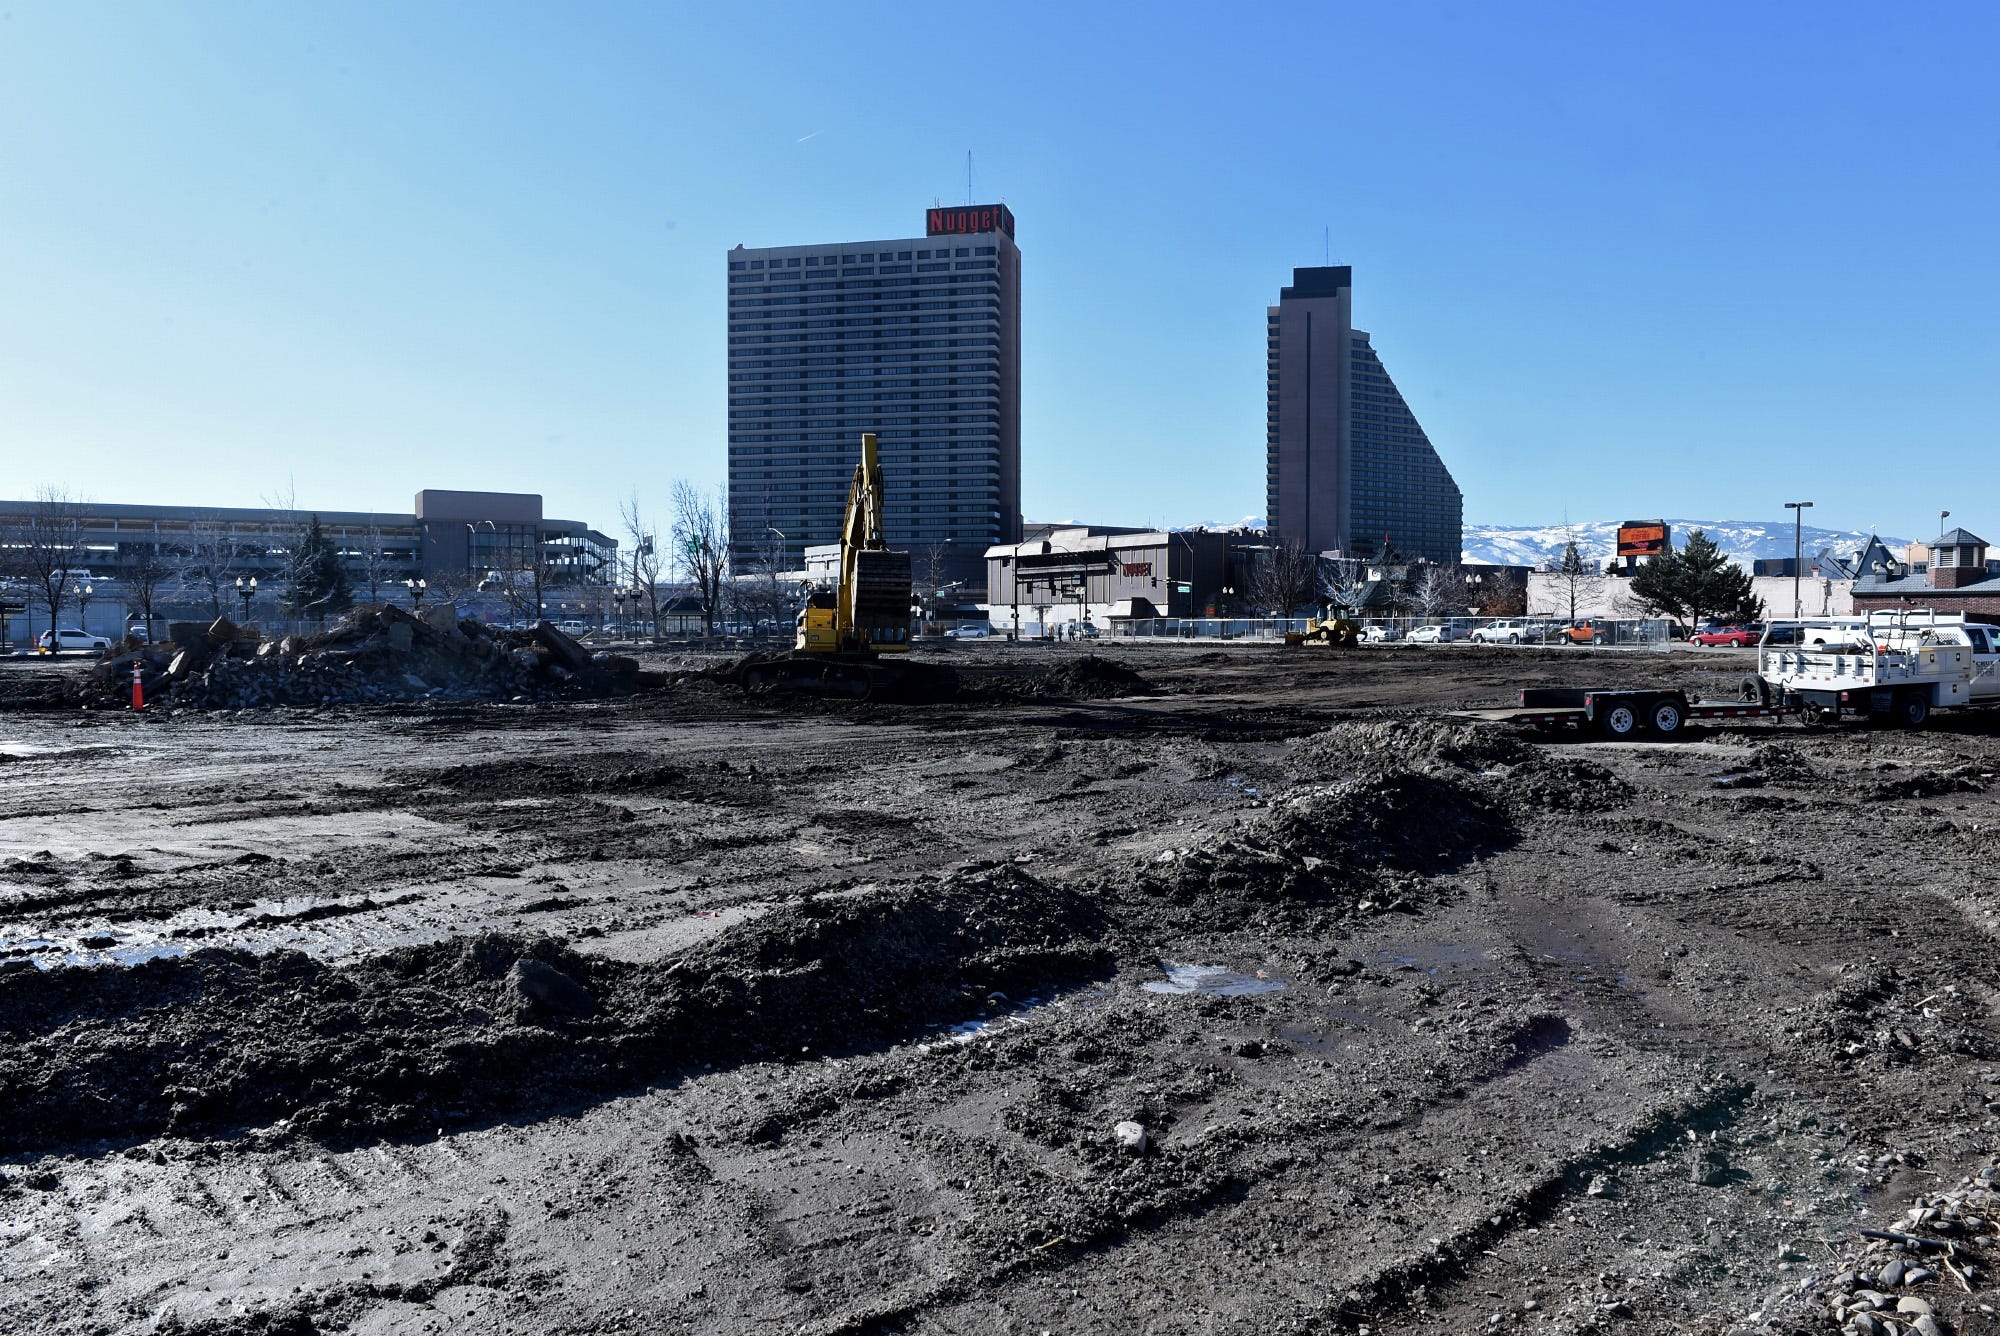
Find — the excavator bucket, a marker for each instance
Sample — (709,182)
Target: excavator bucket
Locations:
(882,598)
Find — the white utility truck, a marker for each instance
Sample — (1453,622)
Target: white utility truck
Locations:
(1897,665)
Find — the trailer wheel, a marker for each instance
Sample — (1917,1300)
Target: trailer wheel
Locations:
(1665,718)
(1620,721)
(1913,709)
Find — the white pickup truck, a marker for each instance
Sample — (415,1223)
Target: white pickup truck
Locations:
(1897,665)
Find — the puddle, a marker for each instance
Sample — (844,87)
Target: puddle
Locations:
(1435,957)
(49,953)
(1212,980)
(1243,786)
(1015,1013)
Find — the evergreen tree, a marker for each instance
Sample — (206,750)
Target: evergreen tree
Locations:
(318,580)
(1697,584)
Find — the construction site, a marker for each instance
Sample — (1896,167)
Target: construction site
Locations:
(1155,988)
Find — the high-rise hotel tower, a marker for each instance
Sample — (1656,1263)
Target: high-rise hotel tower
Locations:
(1346,463)
(917,339)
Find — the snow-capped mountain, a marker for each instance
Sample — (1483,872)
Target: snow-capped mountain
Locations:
(1744,540)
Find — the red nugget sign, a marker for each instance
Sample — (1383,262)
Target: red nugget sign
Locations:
(971,218)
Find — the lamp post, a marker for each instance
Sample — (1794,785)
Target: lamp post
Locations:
(246,590)
(417,590)
(83,592)
(1798,509)
(637,595)
(618,600)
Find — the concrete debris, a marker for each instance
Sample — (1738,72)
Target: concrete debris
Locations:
(378,653)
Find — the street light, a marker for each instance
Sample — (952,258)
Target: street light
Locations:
(619,600)
(246,590)
(1798,509)
(83,592)
(417,590)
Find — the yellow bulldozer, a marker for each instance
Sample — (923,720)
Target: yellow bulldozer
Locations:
(1334,630)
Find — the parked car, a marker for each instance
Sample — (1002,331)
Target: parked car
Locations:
(1718,633)
(1434,634)
(70,637)
(968,633)
(1380,635)
(1505,631)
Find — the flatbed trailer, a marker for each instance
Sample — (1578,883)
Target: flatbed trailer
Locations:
(1624,713)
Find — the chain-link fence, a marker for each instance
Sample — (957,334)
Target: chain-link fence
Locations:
(1413,630)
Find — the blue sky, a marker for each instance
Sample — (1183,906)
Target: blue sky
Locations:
(1622,259)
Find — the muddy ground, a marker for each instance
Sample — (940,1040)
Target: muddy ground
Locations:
(1155,989)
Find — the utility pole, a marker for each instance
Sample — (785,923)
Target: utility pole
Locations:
(1798,509)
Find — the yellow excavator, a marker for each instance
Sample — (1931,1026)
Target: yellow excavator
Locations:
(846,628)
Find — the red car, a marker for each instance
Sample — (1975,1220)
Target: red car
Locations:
(1716,634)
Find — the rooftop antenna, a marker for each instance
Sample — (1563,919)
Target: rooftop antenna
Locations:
(1326,245)
(968,176)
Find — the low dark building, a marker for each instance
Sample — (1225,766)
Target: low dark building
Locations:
(1960,578)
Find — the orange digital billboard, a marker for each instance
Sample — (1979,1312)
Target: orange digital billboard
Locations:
(1643,538)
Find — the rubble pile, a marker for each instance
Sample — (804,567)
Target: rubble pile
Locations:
(1928,1273)
(377,653)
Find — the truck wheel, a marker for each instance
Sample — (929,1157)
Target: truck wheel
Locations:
(1513,640)
(1913,709)
(1665,718)
(1620,721)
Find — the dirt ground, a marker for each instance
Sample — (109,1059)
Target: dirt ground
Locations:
(1149,989)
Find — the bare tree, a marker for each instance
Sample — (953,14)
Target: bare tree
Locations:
(1286,579)
(48,547)
(1577,580)
(208,561)
(1437,590)
(148,567)
(374,563)
(1340,582)
(699,551)
(645,560)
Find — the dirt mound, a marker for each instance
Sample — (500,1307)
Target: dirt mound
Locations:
(1782,763)
(1563,784)
(1425,744)
(1327,846)
(1879,1018)
(1085,678)
(1932,783)
(428,1036)
(610,772)
(1526,777)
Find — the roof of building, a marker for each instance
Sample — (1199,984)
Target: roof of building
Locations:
(1079,540)
(1960,538)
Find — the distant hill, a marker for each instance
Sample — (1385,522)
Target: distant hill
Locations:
(1744,540)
